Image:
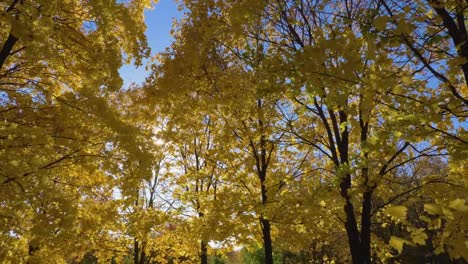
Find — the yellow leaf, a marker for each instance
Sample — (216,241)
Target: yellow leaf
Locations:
(406,80)
(398,211)
(433,209)
(397,243)
(403,27)
(458,205)
(380,23)
(397,134)
(419,237)
(430,14)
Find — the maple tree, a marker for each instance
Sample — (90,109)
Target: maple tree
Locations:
(59,63)
(358,121)
(328,131)
(437,32)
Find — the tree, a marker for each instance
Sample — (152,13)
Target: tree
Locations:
(305,131)
(247,117)
(433,32)
(59,64)
(341,88)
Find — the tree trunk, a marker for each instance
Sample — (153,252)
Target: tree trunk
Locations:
(203,253)
(359,242)
(266,232)
(366,196)
(6,49)
(366,227)
(262,165)
(142,253)
(464,53)
(265,224)
(353,234)
(11,39)
(136,252)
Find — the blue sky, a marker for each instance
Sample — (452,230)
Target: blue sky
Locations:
(159,23)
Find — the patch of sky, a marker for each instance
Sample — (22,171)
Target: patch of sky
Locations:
(159,24)
(89,27)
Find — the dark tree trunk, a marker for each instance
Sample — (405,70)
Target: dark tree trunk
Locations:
(366,227)
(7,48)
(136,252)
(142,254)
(262,160)
(352,232)
(464,53)
(265,224)
(10,41)
(366,197)
(358,254)
(267,244)
(203,253)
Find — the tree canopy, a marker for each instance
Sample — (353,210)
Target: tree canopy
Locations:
(270,131)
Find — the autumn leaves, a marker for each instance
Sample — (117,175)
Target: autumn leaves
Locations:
(333,95)
(326,131)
